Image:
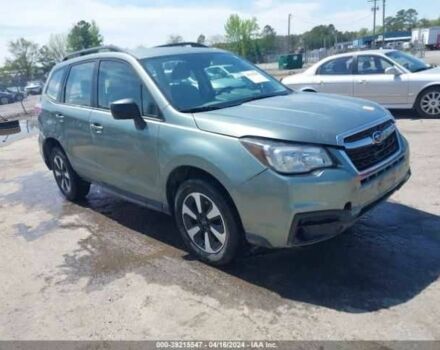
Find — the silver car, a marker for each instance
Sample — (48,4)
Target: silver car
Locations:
(390,77)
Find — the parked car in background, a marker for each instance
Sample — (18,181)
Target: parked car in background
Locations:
(6,97)
(34,87)
(392,78)
(254,163)
(17,93)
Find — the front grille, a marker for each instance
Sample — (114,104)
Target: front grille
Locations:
(366,133)
(368,156)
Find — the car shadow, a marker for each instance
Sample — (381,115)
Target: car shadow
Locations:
(405,114)
(387,258)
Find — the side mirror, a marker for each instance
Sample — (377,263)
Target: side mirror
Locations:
(392,71)
(125,109)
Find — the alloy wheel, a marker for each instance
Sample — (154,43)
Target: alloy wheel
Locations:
(62,175)
(4,100)
(204,222)
(430,103)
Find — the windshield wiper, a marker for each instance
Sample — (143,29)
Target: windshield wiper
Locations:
(201,109)
(232,103)
(422,69)
(260,97)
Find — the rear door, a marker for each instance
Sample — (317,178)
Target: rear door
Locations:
(124,154)
(335,76)
(373,84)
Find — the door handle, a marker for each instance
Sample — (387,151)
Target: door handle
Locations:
(96,128)
(60,117)
(362,81)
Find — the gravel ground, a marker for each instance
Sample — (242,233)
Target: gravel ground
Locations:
(108,269)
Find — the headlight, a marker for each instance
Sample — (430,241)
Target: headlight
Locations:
(288,158)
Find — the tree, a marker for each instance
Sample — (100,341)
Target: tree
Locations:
(240,34)
(53,52)
(403,20)
(268,39)
(201,39)
(24,58)
(174,39)
(84,35)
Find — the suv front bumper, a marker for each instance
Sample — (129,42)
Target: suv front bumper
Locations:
(283,211)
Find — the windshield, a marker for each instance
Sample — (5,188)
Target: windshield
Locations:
(207,81)
(411,63)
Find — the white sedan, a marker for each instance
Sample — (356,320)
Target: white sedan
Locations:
(390,77)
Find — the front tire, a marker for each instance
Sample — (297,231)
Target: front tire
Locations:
(428,103)
(70,184)
(207,222)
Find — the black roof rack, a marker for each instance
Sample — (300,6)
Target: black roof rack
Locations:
(105,48)
(187,43)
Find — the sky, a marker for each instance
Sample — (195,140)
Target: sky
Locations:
(131,23)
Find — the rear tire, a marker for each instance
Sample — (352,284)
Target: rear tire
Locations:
(207,222)
(70,184)
(428,103)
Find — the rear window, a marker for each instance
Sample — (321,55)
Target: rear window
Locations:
(54,84)
(79,84)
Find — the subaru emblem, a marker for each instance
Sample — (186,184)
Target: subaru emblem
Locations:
(377,137)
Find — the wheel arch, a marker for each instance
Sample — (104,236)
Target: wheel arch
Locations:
(185,172)
(308,89)
(426,87)
(49,144)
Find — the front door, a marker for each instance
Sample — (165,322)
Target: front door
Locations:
(125,154)
(373,84)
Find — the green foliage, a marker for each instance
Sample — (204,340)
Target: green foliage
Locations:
(201,39)
(84,35)
(404,20)
(174,39)
(268,40)
(240,34)
(53,52)
(325,36)
(423,22)
(24,56)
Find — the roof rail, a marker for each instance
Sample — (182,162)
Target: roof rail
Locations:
(186,43)
(105,48)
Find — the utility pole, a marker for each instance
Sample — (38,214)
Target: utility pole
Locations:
(374,9)
(289,17)
(383,22)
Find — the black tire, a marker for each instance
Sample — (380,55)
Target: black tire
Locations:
(70,184)
(421,103)
(227,223)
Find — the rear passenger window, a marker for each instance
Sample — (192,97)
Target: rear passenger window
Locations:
(54,84)
(116,81)
(338,66)
(79,84)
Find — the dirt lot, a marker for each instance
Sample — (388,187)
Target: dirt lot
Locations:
(108,269)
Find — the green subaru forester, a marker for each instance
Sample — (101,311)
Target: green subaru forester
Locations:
(235,156)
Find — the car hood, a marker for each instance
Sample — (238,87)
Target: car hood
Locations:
(301,117)
(434,71)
